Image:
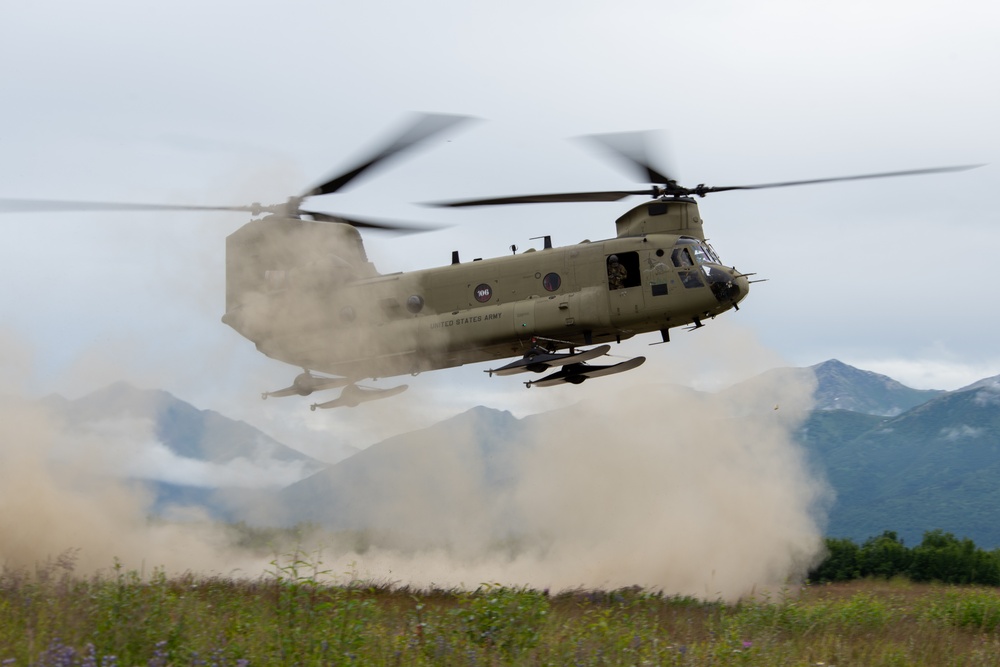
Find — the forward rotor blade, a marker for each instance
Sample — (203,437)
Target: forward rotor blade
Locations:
(422,128)
(703,190)
(632,148)
(43,205)
(609,195)
(371,224)
(672,189)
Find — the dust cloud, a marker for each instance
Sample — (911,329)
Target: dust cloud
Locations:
(62,491)
(657,486)
(645,484)
(51,503)
(667,489)
(48,509)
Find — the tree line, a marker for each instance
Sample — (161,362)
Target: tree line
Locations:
(939,557)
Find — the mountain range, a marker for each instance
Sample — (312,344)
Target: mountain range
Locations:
(896,458)
(843,387)
(935,465)
(182,455)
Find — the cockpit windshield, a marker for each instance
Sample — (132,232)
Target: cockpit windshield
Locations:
(701,253)
(689,251)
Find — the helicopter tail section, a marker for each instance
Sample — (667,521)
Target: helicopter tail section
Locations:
(279,272)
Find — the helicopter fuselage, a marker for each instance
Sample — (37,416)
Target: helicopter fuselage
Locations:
(318,304)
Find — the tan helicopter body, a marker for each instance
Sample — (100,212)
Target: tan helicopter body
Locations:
(296,308)
(299,284)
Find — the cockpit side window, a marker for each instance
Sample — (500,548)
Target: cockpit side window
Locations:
(682,257)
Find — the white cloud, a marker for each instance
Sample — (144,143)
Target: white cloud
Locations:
(128,448)
(931,373)
(160,463)
(960,432)
(988,395)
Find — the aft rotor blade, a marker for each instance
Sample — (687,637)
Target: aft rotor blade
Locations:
(703,190)
(422,128)
(370,224)
(609,195)
(50,205)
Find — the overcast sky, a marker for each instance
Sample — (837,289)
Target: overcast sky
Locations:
(231,102)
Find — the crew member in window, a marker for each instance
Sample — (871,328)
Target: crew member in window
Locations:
(616,273)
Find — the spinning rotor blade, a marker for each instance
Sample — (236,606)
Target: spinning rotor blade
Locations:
(702,190)
(609,195)
(370,224)
(42,205)
(420,129)
(423,127)
(672,189)
(631,147)
(49,205)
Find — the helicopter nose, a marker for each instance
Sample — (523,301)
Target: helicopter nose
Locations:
(728,285)
(742,284)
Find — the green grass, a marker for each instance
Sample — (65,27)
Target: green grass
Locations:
(290,615)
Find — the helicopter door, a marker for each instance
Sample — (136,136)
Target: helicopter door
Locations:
(624,285)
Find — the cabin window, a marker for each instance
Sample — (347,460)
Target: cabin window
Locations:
(415,303)
(551,282)
(623,270)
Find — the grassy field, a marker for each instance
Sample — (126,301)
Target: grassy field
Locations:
(49,616)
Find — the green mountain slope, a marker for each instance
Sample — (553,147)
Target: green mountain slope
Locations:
(935,466)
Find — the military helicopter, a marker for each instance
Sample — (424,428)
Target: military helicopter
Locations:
(299,284)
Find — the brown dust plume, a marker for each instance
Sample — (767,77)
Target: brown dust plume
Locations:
(656,486)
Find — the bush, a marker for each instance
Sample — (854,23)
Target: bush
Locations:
(940,557)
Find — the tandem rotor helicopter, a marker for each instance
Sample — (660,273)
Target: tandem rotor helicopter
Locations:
(299,284)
